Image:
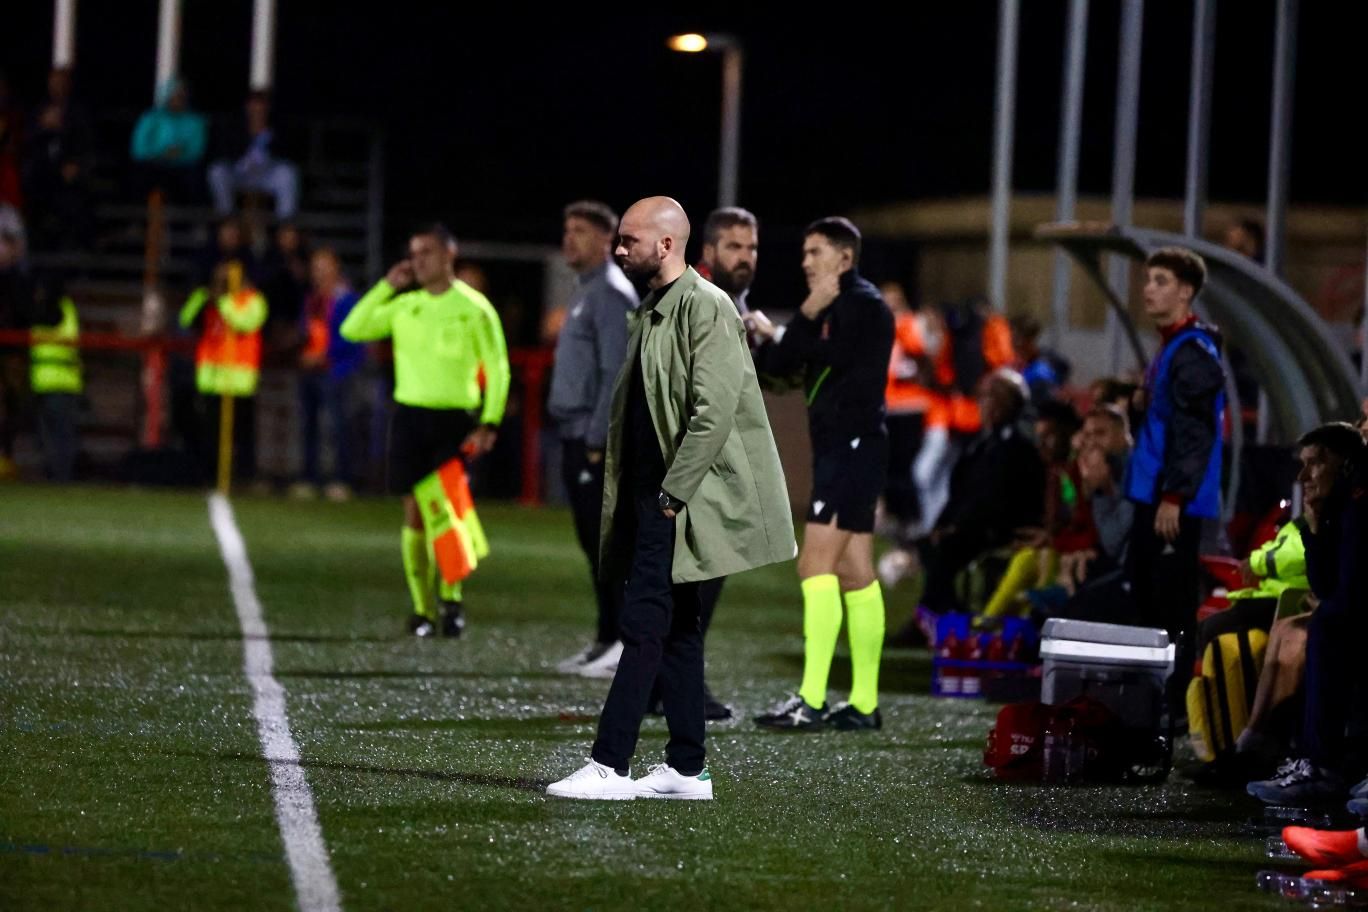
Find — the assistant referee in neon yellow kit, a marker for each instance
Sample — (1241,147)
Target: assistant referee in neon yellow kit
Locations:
(450,387)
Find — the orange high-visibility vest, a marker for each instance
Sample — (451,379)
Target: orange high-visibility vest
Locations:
(228,360)
(906,393)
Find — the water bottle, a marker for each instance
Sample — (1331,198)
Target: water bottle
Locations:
(971,684)
(995,654)
(949,649)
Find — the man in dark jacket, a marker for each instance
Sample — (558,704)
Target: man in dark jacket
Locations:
(1174,473)
(997,490)
(1332,479)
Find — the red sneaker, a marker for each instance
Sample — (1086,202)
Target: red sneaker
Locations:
(1325,848)
(1352,875)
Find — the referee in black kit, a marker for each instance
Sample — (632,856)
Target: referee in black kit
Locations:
(840,342)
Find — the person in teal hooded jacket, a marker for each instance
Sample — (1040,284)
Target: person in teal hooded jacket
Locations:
(168,144)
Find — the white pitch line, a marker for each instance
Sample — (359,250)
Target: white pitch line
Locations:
(310,868)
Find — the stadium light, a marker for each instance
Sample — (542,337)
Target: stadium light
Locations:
(729,155)
(691,43)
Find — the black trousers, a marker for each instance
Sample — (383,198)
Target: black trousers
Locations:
(584,485)
(1330,685)
(661,636)
(1166,584)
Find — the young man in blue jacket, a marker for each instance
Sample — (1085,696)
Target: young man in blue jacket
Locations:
(1174,474)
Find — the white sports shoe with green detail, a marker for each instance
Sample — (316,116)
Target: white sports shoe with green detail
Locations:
(663,782)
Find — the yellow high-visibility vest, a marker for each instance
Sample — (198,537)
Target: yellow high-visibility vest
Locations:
(54,360)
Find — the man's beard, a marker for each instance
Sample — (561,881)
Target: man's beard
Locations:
(641,273)
(735,281)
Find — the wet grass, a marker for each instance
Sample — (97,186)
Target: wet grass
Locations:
(131,777)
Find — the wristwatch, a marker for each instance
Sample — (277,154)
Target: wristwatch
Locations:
(667,502)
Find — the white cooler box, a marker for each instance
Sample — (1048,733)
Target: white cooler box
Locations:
(1124,668)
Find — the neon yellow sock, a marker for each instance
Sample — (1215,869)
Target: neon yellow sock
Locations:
(1022,573)
(418,569)
(865,631)
(821,628)
(448,592)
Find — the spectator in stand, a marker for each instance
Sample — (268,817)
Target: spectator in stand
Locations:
(1044,371)
(284,276)
(1174,475)
(57,164)
(168,145)
(329,379)
(253,164)
(230,243)
(11,147)
(1333,478)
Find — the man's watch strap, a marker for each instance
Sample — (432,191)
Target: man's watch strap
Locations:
(667,502)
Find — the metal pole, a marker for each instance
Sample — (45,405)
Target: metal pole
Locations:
(1279,160)
(1363,334)
(1199,115)
(730,156)
(1004,122)
(1280,134)
(168,44)
(1123,162)
(64,34)
(263,44)
(1070,130)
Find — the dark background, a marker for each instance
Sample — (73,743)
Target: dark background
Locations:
(497,115)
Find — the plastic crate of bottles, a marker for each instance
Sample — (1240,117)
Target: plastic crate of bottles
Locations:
(974,663)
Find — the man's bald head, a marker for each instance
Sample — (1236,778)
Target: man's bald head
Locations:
(651,240)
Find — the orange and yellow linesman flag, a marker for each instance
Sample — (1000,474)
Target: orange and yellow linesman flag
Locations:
(454,533)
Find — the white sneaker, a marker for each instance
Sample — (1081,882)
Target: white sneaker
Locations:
(604,665)
(337,492)
(302,490)
(577,661)
(663,782)
(595,782)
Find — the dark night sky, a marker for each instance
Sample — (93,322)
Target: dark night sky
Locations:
(496,115)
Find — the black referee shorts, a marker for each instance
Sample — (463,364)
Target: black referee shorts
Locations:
(421,440)
(847,479)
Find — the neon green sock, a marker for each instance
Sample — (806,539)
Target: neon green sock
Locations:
(418,569)
(865,631)
(821,628)
(448,592)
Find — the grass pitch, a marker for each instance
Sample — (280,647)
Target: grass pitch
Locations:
(131,776)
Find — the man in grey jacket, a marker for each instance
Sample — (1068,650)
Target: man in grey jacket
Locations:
(589,352)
